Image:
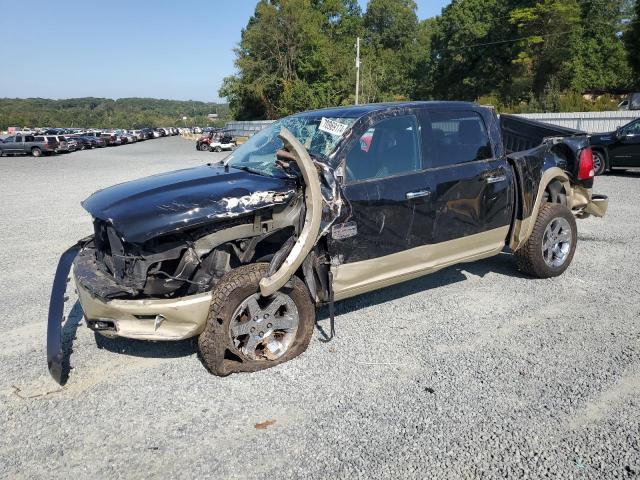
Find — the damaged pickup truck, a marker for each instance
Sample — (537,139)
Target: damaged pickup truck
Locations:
(319,207)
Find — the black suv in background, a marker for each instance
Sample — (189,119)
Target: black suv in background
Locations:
(617,149)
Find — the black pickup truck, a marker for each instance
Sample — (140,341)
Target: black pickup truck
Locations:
(319,207)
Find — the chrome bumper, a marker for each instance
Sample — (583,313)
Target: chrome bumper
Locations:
(147,319)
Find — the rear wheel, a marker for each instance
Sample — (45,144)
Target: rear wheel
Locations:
(204,147)
(36,152)
(599,163)
(549,250)
(217,149)
(246,332)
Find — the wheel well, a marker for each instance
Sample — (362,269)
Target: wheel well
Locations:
(555,192)
(604,153)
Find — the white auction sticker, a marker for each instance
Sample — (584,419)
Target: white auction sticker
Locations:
(332,127)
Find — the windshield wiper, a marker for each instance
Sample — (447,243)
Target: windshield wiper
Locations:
(249,169)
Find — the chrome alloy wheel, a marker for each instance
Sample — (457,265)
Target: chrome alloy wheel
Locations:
(556,242)
(263,329)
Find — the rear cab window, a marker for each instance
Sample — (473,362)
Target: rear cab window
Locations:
(454,137)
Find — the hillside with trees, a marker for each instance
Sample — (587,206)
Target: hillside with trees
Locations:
(106,113)
(520,55)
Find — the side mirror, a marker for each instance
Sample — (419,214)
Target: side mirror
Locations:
(619,132)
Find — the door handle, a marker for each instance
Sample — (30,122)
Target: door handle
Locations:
(496,179)
(418,194)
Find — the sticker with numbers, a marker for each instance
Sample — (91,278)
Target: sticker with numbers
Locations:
(333,127)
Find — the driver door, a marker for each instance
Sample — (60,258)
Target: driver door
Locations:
(627,150)
(389,197)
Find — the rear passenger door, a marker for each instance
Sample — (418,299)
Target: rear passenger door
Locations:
(472,190)
(18,145)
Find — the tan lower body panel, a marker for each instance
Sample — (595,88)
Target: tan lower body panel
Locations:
(183,318)
(360,277)
(578,198)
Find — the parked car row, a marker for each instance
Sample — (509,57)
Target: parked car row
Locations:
(59,140)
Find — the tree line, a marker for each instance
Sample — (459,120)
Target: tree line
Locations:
(520,55)
(107,113)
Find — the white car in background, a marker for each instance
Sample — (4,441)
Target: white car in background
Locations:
(137,134)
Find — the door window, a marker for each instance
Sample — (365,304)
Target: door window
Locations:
(19,138)
(391,147)
(455,137)
(9,140)
(633,129)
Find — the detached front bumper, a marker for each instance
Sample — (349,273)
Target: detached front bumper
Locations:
(146,319)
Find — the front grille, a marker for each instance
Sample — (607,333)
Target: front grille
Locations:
(113,259)
(103,248)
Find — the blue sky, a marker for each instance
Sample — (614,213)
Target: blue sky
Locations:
(179,50)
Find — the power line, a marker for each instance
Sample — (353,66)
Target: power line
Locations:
(513,40)
(531,37)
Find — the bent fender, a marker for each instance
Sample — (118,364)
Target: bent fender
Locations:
(309,234)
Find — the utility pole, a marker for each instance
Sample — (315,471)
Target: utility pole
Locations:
(357,69)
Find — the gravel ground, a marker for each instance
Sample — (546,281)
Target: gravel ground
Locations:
(472,372)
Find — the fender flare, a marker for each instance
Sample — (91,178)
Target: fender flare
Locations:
(309,234)
(523,228)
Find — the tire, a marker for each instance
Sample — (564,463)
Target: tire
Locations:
(217,149)
(36,152)
(541,256)
(204,147)
(599,163)
(222,353)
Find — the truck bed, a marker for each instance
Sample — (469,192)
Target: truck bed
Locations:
(520,134)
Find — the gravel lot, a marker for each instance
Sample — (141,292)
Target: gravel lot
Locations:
(472,372)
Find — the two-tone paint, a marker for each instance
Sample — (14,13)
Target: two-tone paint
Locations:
(343,237)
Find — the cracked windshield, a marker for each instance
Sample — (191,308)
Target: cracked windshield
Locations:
(319,135)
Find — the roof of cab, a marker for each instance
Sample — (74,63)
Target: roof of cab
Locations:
(357,111)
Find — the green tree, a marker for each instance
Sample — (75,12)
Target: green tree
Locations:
(283,61)
(390,50)
(603,55)
(632,42)
(468,60)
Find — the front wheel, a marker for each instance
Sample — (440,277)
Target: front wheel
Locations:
(36,152)
(549,250)
(204,147)
(599,163)
(246,332)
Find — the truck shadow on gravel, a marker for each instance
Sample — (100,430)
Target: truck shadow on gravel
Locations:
(502,264)
(69,330)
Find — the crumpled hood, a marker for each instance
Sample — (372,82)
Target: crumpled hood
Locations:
(142,209)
